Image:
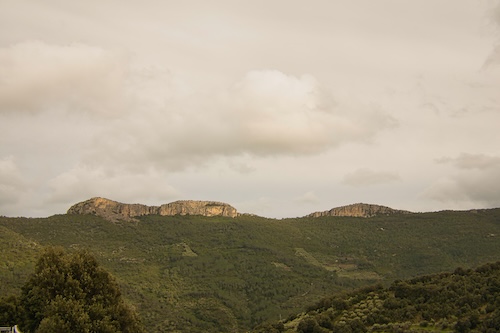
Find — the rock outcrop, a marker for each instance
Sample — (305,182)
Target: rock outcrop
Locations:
(114,211)
(359,210)
(204,208)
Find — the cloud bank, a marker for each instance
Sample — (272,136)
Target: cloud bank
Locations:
(320,103)
(266,112)
(474,181)
(37,77)
(127,121)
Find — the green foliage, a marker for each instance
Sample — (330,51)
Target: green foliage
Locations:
(71,293)
(17,259)
(218,274)
(270,328)
(10,310)
(308,325)
(465,301)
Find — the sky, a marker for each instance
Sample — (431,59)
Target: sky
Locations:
(280,107)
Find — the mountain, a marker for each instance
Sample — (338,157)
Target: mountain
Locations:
(359,210)
(114,211)
(194,273)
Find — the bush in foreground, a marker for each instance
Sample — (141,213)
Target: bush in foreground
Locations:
(71,293)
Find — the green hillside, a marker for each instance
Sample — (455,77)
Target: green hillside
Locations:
(462,301)
(193,273)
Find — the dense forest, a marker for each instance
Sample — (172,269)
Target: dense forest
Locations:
(193,273)
(466,300)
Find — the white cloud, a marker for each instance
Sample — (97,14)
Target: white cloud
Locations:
(277,113)
(367,177)
(265,113)
(155,118)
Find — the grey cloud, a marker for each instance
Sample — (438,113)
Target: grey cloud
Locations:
(473,189)
(494,15)
(446,190)
(493,59)
(473,161)
(36,76)
(366,177)
(476,181)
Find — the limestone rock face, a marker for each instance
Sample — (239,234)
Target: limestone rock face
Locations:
(359,210)
(205,208)
(114,211)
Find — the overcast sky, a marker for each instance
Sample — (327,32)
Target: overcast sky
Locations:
(278,107)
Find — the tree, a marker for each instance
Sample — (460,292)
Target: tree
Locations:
(310,325)
(71,293)
(9,310)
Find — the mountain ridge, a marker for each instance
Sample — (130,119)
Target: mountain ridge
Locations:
(114,210)
(359,210)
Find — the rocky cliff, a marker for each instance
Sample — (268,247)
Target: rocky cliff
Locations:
(114,211)
(204,208)
(359,210)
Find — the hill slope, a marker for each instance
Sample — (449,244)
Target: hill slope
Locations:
(221,274)
(462,301)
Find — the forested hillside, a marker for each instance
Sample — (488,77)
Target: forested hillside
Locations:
(462,301)
(221,274)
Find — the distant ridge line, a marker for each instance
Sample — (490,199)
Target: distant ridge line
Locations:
(115,211)
(359,210)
